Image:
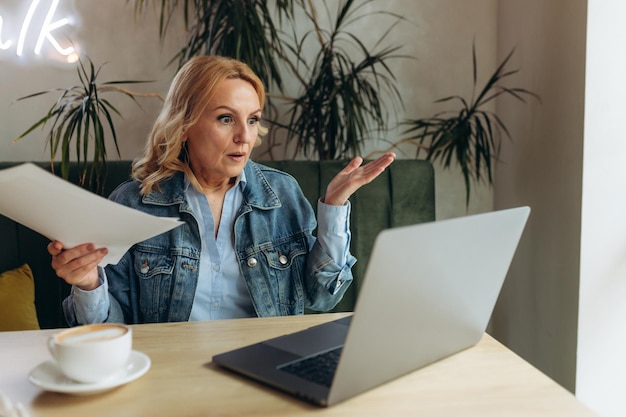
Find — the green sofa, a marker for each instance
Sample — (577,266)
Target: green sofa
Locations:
(403,195)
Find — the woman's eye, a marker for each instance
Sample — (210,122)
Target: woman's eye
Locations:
(253,121)
(227,120)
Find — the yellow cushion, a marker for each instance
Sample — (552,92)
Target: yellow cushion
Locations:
(17,300)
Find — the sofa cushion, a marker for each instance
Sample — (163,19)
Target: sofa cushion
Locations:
(17,300)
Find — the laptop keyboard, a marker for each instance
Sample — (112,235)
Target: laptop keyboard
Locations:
(319,368)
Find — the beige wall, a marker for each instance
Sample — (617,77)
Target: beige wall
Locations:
(438,33)
(563,307)
(109,35)
(538,309)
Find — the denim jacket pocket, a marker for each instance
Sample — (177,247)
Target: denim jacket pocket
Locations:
(154,270)
(283,257)
(286,266)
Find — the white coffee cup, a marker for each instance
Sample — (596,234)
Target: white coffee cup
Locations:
(93,352)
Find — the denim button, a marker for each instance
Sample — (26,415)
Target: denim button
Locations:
(282,259)
(252,262)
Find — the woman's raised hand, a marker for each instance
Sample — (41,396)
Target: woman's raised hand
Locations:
(353,177)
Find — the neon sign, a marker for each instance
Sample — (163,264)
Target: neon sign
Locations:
(39,31)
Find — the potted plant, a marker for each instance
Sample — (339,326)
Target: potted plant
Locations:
(469,136)
(79,118)
(341,99)
(245,30)
(344,86)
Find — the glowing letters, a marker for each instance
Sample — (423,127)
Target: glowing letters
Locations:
(44,29)
(7,44)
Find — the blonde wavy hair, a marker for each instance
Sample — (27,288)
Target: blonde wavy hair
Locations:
(191,90)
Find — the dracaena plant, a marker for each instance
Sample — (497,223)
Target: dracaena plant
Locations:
(244,29)
(345,86)
(469,136)
(80,120)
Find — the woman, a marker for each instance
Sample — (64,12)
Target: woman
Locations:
(246,248)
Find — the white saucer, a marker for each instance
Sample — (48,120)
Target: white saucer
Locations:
(49,377)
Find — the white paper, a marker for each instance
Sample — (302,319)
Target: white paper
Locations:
(62,211)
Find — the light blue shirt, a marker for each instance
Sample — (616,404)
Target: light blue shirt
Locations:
(221,292)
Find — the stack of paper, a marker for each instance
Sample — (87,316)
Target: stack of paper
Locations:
(62,211)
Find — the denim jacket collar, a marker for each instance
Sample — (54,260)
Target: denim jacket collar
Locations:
(257,193)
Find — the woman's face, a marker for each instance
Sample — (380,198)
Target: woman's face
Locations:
(220,143)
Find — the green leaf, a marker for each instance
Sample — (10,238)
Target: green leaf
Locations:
(471,136)
(77,115)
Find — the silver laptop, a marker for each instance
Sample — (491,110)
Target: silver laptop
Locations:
(428,293)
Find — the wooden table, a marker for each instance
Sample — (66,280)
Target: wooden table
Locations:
(485,380)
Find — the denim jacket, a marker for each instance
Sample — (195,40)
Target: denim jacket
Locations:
(283,265)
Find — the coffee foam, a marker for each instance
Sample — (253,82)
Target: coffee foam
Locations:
(91,334)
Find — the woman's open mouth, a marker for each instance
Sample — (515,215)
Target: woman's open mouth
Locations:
(237,156)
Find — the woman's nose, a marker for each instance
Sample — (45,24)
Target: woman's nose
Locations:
(243,134)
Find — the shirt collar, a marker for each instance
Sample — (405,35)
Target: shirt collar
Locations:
(240,181)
